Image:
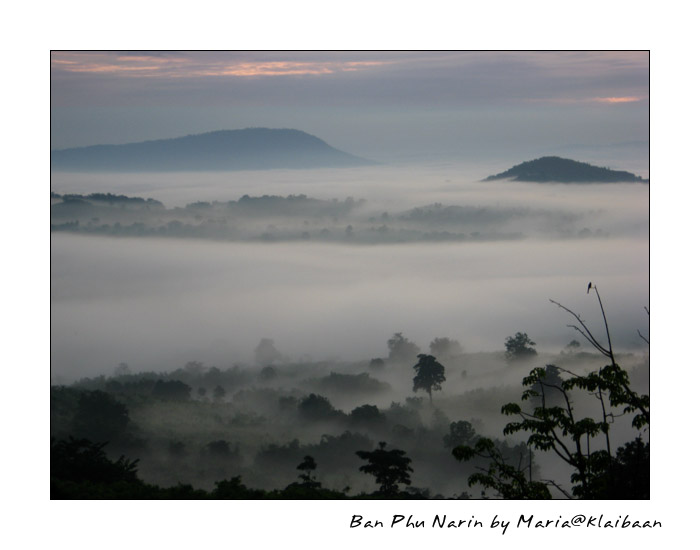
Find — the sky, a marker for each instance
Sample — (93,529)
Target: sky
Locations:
(486,109)
(387,106)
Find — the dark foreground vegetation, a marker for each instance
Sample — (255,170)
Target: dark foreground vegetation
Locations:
(272,431)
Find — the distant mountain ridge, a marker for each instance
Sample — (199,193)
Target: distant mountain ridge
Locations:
(561,170)
(246,149)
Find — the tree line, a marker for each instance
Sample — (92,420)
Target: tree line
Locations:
(556,415)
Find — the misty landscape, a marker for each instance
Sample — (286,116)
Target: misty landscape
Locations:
(266,312)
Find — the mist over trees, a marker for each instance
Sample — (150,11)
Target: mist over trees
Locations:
(251,432)
(520,347)
(266,352)
(429,375)
(274,218)
(281,424)
(446,348)
(401,349)
(257,314)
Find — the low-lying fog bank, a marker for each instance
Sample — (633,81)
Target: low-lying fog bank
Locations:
(236,355)
(156,303)
(199,424)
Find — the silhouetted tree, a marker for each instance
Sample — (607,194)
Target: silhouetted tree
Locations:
(317,407)
(461,433)
(401,349)
(268,373)
(549,385)
(266,352)
(518,347)
(505,479)
(572,346)
(367,415)
(233,489)
(445,348)
(307,466)
(122,369)
(555,427)
(429,375)
(388,467)
(611,378)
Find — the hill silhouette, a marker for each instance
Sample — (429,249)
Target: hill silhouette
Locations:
(246,149)
(557,169)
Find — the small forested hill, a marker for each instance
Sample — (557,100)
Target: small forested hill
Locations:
(557,169)
(247,149)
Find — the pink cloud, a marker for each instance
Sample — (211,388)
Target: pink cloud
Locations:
(582,100)
(269,68)
(192,67)
(616,99)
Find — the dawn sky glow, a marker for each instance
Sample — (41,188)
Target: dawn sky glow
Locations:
(385,105)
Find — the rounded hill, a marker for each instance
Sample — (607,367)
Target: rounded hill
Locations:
(246,149)
(561,170)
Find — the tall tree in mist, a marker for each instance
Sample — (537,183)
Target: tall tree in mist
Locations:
(445,348)
(307,468)
(429,375)
(519,347)
(266,352)
(401,348)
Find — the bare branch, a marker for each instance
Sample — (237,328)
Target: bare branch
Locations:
(605,321)
(588,335)
(593,342)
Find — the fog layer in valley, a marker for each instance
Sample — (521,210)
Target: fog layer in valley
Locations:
(277,327)
(158,303)
(243,332)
